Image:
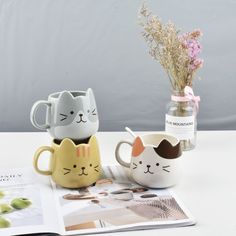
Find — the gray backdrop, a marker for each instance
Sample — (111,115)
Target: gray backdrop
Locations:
(53,45)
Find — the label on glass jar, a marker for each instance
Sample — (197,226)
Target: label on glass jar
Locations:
(181,127)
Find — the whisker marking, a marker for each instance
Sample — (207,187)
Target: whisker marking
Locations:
(67,169)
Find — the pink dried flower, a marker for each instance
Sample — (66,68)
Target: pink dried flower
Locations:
(196,33)
(196,64)
(193,48)
(191,43)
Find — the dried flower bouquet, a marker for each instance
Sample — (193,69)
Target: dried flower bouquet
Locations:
(177,53)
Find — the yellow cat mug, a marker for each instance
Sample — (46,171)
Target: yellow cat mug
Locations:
(71,165)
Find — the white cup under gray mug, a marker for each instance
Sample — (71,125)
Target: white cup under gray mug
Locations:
(69,114)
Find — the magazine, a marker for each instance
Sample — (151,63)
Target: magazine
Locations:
(30,203)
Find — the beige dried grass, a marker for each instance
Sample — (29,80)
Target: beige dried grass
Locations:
(166,48)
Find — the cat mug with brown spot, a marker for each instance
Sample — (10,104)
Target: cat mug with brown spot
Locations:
(71,165)
(156,160)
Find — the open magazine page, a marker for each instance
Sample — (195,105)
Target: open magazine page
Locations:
(116,204)
(26,203)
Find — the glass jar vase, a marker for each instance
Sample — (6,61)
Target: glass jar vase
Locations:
(181,120)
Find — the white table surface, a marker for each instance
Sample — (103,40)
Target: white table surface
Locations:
(208,185)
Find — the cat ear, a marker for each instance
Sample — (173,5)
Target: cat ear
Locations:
(90,95)
(167,151)
(66,96)
(66,142)
(93,146)
(138,147)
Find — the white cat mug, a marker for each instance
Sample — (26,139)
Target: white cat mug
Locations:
(155,160)
(70,114)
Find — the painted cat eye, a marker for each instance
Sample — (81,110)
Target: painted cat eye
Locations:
(157,164)
(140,162)
(72,112)
(88,111)
(93,112)
(90,165)
(64,116)
(67,171)
(74,166)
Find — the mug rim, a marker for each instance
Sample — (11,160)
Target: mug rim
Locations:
(173,140)
(58,143)
(74,93)
(55,142)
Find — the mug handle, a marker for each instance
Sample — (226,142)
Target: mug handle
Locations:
(33,115)
(36,158)
(117,153)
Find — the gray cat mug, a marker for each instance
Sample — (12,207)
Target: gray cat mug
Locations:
(69,114)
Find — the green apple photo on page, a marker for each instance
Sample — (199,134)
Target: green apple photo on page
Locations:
(11,207)
(20,205)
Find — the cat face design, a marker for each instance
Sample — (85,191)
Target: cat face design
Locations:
(79,165)
(76,115)
(155,167)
